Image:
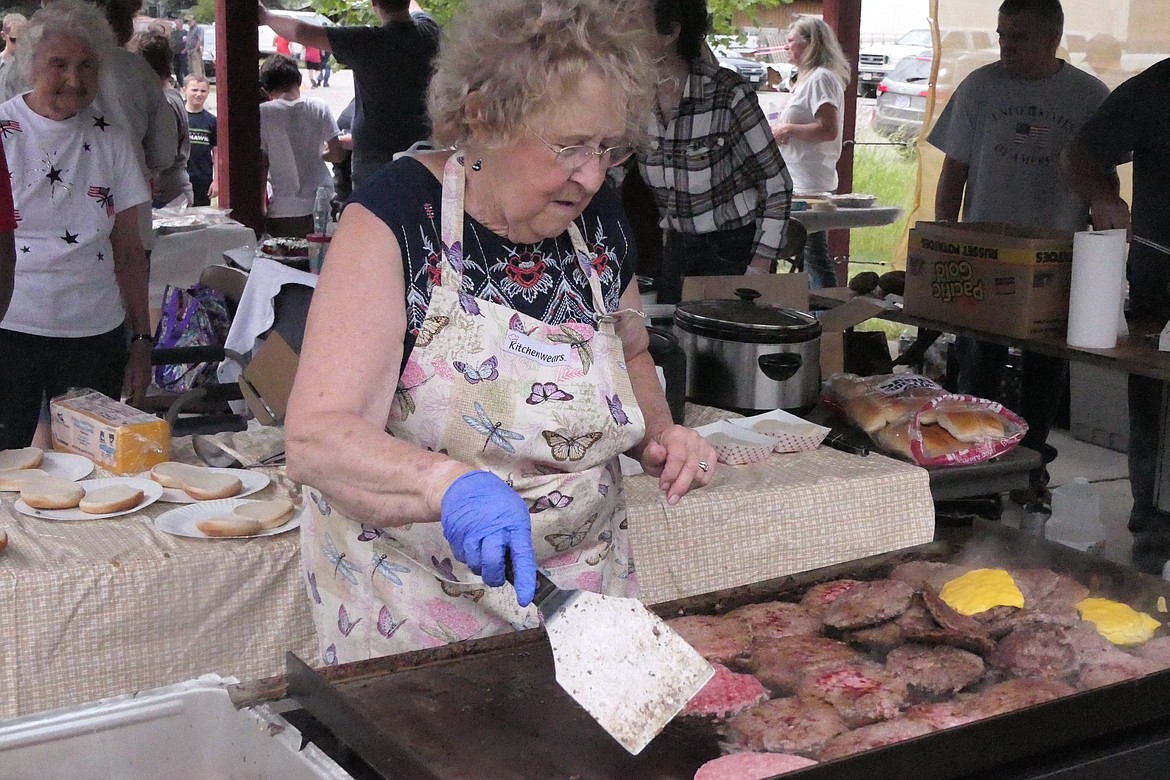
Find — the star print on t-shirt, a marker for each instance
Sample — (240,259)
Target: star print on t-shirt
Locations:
(86,146)
(25,250)
(69,238)
(101,256)
(100,122)
(54,175)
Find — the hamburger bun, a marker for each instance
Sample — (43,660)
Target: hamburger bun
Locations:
(895,439)
(870,413)
(269,514)
(203,485)
(937,442)
(51,493)
(971,424)
(111,498)
(170,474)
(24,458)
(14,479)
(229,525)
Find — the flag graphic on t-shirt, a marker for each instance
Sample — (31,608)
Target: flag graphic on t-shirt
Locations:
(1037,134)
(8,127)
(103,197)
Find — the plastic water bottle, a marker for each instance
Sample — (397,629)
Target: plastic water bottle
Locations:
(1076,517)
(322,211)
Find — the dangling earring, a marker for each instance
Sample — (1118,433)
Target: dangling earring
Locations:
(477,165)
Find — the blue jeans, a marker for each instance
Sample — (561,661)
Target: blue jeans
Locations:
(1041,383)
(817,263)
(722,253)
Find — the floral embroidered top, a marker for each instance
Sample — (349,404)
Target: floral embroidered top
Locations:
(541,280)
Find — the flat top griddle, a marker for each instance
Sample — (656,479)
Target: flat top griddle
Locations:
(491,708)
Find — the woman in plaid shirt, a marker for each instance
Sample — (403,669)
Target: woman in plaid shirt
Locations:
(718,179)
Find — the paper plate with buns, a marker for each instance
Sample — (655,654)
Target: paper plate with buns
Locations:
(734,444)
(25,463)
(50,498)
(185,484)
(230,518)
(788,432)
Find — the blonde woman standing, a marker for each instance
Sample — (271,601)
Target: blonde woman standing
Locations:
(809,130)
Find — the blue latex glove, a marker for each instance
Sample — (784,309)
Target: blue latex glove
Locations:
(485,521)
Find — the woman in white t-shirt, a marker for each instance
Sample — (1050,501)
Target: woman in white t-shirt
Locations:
(79,315)
(810,127)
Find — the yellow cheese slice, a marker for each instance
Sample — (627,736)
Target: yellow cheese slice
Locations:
(980,590)
(1120,623)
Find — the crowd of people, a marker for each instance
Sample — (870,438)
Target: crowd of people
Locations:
(486,280)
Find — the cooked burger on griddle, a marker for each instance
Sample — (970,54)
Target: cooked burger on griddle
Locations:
(789,725)
(861,693)
(775,619)
(718,638)
(868,604)
(1037,650)
(934,671)
(873,736)
(781,664)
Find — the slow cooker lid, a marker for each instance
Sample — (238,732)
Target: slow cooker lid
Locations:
(745,320)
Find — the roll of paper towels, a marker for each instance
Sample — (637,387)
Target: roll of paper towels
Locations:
(1098,279)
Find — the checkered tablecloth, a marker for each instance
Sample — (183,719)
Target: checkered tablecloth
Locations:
(791,513)
(101,607)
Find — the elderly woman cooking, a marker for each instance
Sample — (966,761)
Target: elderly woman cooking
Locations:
(81,271)
(477,307)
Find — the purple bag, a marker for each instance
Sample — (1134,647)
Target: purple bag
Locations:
(196,316)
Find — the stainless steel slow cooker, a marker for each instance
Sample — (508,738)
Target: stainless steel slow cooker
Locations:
(748,356)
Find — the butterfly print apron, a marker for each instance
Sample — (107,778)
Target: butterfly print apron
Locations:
(545,407)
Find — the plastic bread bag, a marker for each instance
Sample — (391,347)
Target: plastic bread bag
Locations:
(959,430)
(872,403)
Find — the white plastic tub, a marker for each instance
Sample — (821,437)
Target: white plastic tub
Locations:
(189,731)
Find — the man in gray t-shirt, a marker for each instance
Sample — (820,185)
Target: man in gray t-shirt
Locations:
(391,69)
(1003,132)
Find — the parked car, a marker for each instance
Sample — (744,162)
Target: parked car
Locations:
(732,52)
(781,72)
(901,99)
(874,63)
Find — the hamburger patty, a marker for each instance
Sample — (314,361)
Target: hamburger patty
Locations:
(789,725)
(872,736)
(1036,650)
(861,693)
(868,604)
(781,664)
(725,694)
(1114,667)
(719,639)
(918,574)
(751,766)
(775,619)
(818,597)
(934,671)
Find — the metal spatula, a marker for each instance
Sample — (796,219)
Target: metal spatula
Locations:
(619,661)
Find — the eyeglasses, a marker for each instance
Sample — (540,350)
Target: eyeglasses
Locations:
(573,158)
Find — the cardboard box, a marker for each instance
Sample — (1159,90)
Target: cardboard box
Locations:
(117,437)
(1003,279)
(268,379)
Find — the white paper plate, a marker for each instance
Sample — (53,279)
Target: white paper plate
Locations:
(790,433)
(66,465)
(253,481)
(150,492)
(181,521)
(736,445)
